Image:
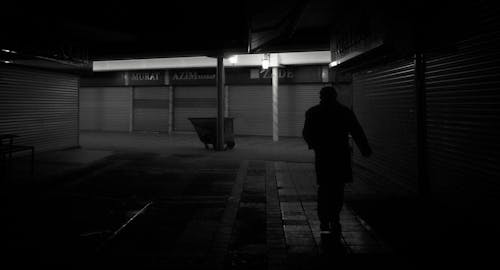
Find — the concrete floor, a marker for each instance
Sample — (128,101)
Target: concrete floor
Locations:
(149,201)
(247,147)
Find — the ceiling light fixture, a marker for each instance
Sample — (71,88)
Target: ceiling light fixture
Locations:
(233,59)
(265,61)
(8,51)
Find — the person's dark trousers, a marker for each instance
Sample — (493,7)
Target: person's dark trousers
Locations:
(330,202)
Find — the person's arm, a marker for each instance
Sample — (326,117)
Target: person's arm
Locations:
(307,130)
(359,136)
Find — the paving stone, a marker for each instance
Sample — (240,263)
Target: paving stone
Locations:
(367,249)
(300,241)
(359,238)
(286,216)
(287,191)
(304,250)
(353,227)
(298,233)
(285,205)
(295,222)
(296,228)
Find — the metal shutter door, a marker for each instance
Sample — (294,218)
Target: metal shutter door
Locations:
(151,109)
(384,102)
(293,102)
(251,108)
(40,106)
(105,108)
(193,101)
(463,116)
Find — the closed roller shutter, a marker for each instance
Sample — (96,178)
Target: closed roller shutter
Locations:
(251,108)
(193,101)
(151,109)
(39,106)
(294,100)
(384,102)
(463,115)
(105,108)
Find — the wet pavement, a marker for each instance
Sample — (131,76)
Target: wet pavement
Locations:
(134,204)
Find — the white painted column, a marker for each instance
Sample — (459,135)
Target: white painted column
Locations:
(131,114)
(170,109)
(325,74)
(275,105)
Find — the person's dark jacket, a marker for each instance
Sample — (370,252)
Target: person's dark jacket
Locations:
(326,130)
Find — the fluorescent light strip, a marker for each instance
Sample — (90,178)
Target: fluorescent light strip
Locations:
(243,60)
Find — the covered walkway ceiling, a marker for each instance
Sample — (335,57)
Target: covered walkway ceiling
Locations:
(143,29)
(83,31)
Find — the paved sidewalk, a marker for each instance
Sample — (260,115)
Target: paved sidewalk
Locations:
(160,202)
(53,166)
(290,234)
(177,207)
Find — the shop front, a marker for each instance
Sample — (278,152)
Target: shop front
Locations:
(164,100)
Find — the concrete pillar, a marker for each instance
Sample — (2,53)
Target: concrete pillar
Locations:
(219,146)
(325,74)
(226,101)
(275,105)
(170,109)
(131,116)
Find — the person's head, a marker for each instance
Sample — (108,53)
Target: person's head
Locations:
(327,94)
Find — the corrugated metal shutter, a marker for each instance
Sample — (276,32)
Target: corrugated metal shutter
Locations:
(251,108)
(384,102)
(294,100)
(151,109)
(40,106)
(463,115)
(193,101)
(105,108)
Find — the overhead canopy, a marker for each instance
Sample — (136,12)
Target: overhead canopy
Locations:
(81,32)
(244,60)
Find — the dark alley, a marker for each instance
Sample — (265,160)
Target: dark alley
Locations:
(300,134)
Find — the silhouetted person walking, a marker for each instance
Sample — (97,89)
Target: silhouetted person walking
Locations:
(326,131)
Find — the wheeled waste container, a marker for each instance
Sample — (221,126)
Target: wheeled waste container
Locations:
(206,128)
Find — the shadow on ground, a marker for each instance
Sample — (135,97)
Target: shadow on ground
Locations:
(429,233)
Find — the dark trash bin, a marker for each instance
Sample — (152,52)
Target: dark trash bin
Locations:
(206,128)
